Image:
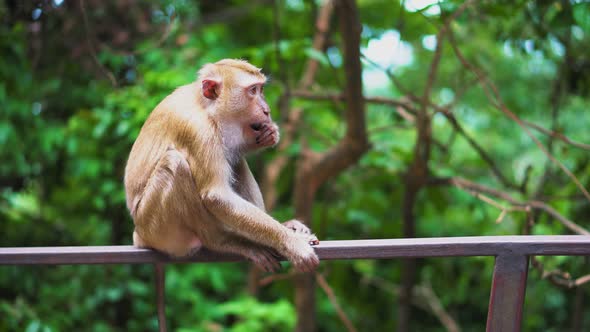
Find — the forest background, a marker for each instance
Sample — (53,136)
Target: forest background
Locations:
(399,119)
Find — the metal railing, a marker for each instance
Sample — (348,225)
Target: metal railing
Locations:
(508,283)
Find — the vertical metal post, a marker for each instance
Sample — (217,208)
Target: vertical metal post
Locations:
(160,295)
(507,293)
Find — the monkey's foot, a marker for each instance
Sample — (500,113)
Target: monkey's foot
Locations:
(193,251)
(300,228)
(264,259)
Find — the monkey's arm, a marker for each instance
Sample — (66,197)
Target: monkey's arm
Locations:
(246,186)
(244,219)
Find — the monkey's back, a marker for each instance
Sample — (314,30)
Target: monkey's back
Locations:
(166,127)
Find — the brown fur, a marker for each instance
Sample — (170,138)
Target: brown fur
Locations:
(188,184)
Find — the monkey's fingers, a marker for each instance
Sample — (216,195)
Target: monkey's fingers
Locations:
(263,132)
(272,265)
(302,229)
(312,239)
(265,260)
(311,264)
(297,226)
(264,265)
(270,140)
(275,254)
(266,137)
(307,264)
(274,259)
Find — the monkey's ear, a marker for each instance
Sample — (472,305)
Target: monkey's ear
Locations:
(211,89)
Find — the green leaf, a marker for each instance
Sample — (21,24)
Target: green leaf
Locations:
(317,55)
(582,16)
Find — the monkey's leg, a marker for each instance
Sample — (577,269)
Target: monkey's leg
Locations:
(172,193)
(166,204)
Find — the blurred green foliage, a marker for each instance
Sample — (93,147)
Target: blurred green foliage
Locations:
(66,130)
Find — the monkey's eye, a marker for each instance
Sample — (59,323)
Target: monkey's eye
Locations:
(253,90)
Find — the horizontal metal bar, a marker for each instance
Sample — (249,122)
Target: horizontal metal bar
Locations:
(527,245)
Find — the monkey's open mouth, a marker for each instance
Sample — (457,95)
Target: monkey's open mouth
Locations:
(256,126)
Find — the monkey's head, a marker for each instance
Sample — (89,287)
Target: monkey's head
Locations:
(233,93)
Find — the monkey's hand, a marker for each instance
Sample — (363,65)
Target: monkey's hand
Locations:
(268,135)
(301,254)
(299,227)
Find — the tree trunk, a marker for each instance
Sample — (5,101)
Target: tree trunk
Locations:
(408,266)
(415,179)
(291,121)
(315,169)
(577,319)
(304,283)
(305,302)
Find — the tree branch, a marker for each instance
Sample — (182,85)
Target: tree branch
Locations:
(332,297)
(424,298)
(493,95)
(480,150)
(391,77)
(417,173)
(316,171)
(555,134)
(473,187)
(558,277)
(407,108)
(290,125)
(100,66)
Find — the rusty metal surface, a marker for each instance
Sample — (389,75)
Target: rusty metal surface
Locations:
(355,249)
(508,285)
(507,293)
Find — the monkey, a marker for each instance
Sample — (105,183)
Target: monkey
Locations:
(187,182)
